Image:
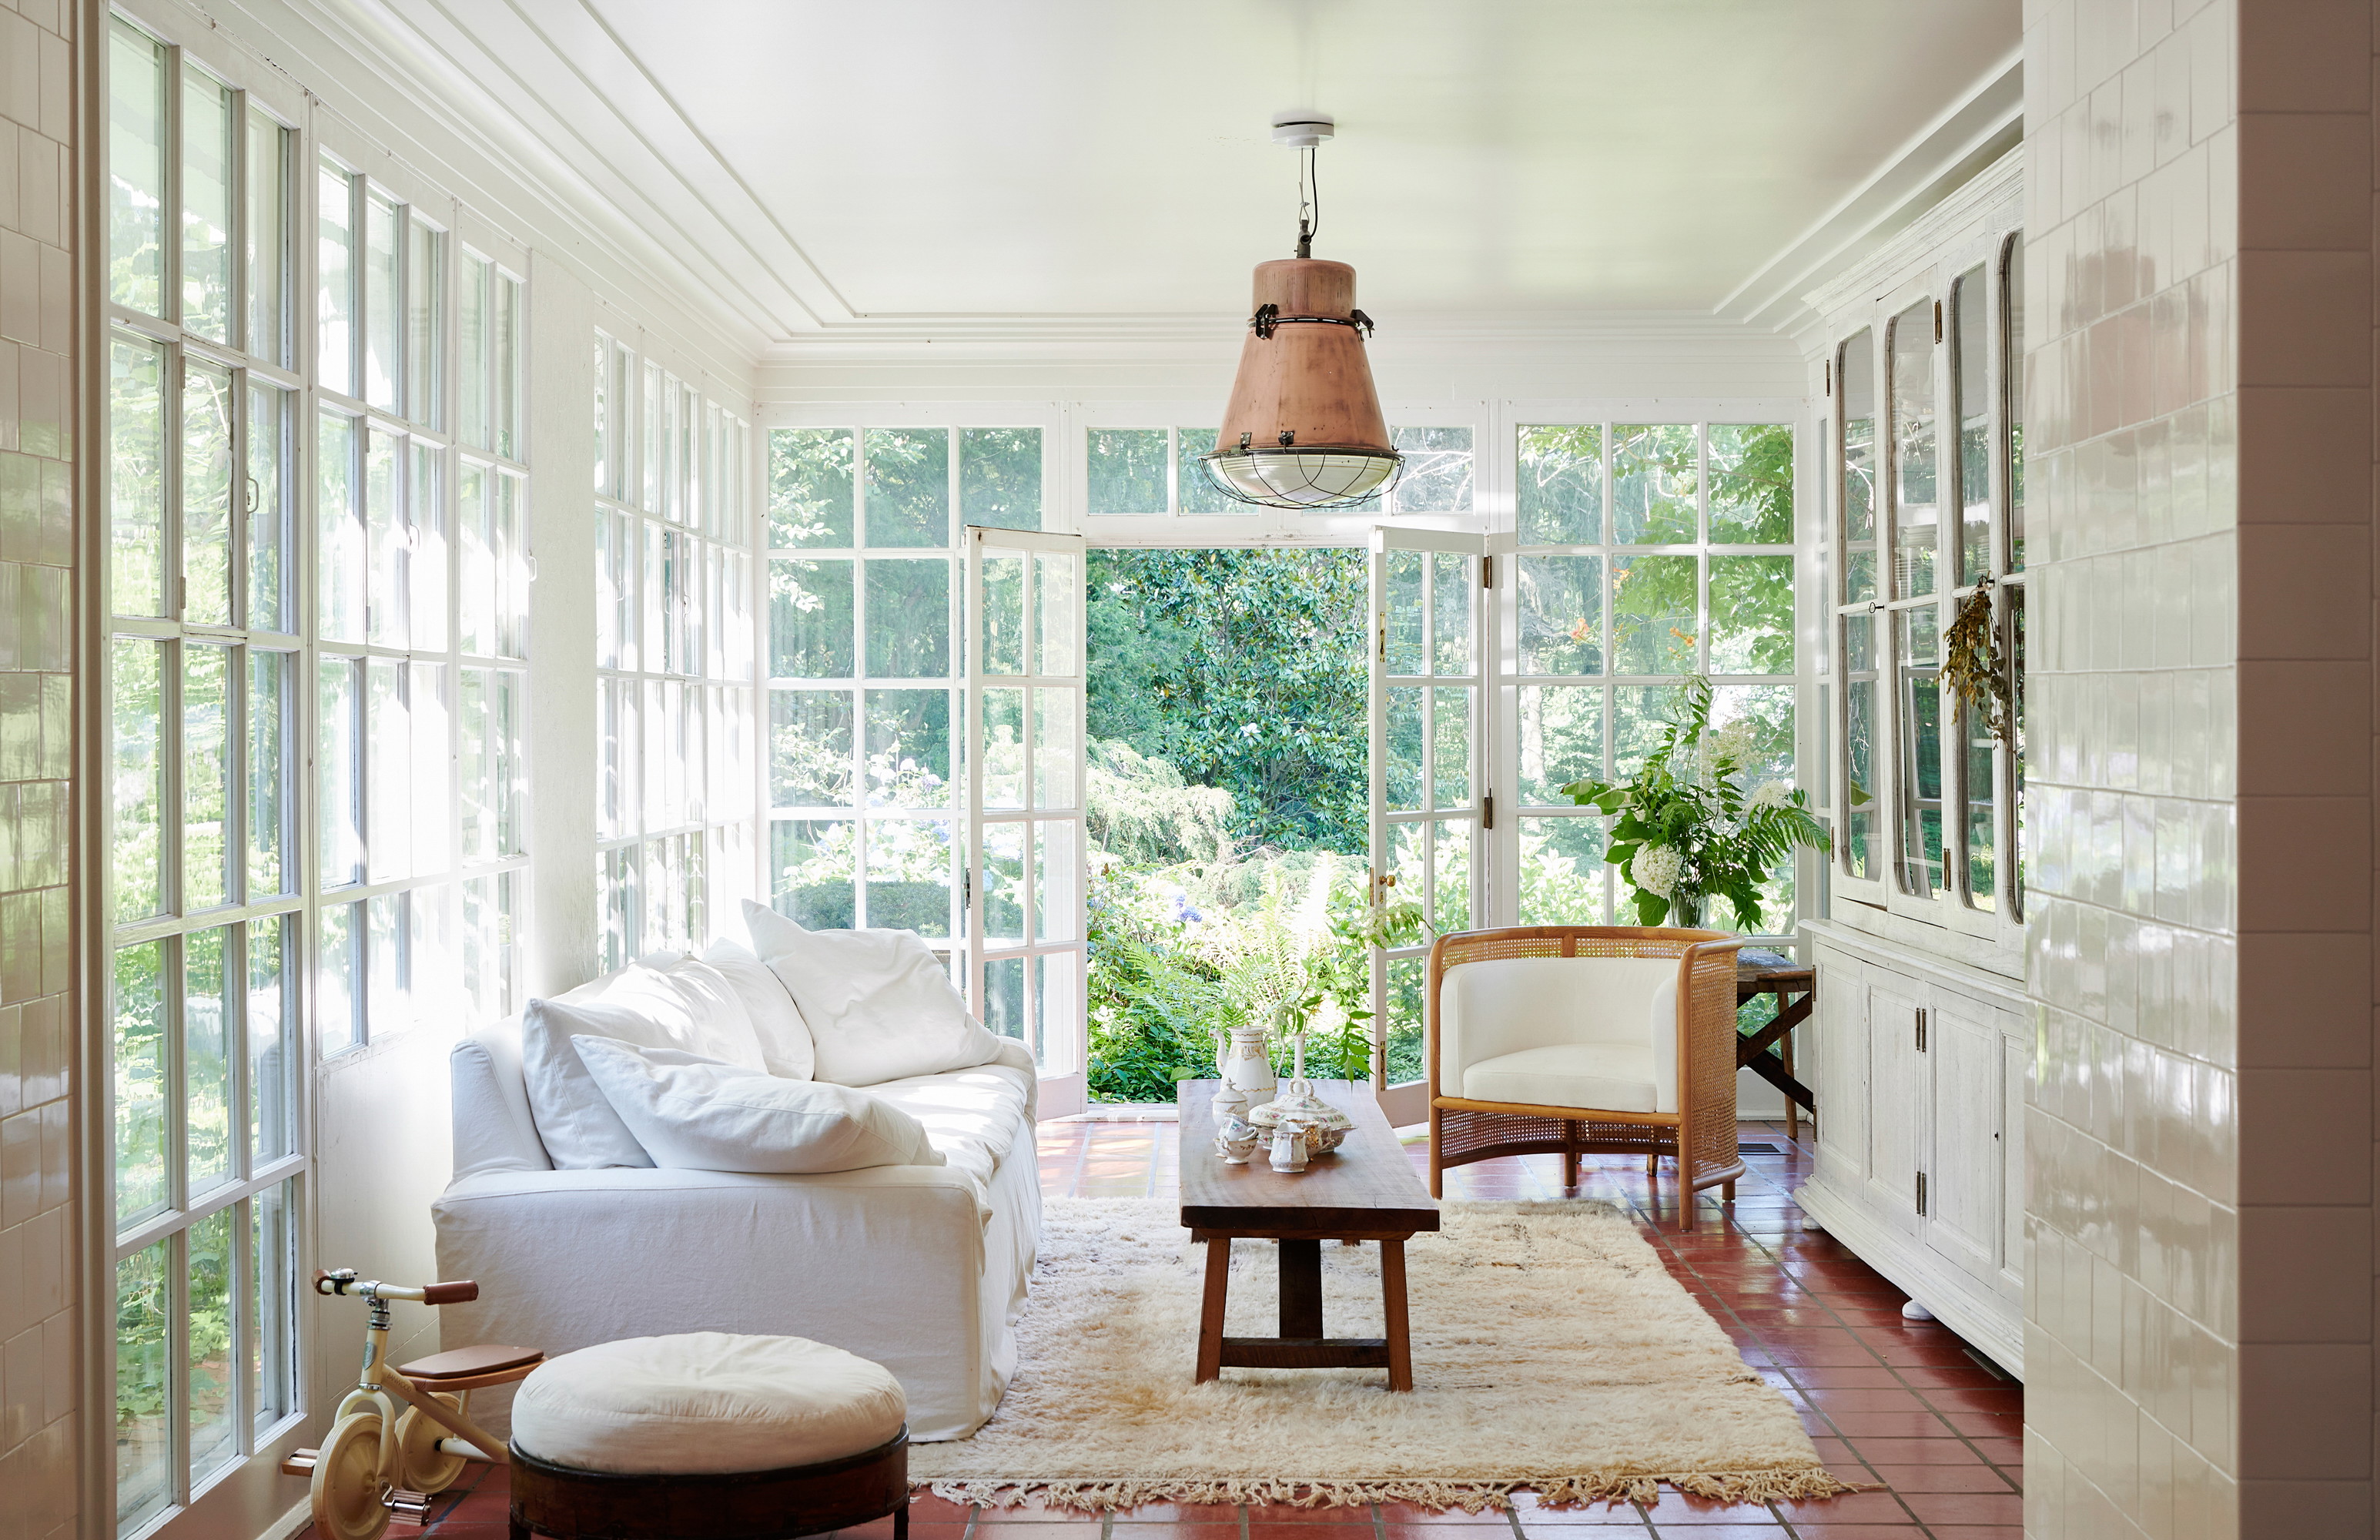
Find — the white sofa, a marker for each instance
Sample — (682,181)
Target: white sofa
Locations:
(920,1268)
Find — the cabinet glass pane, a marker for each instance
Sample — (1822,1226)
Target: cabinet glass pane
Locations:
(1562,739)
(207,856)
(1979,803)
(909,489)
(1860,713)
(2012,349)
(1969,377)
(1127,470)
(1855,381)
(138,1060)
(1920,709)
(1916,539)
(136,169)
(1561,614)
(206,205)
(1561,491)
(1751,483)
(136,488)
(1653,481)
(999,476)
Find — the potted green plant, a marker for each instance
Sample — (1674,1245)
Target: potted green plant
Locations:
(1685,830)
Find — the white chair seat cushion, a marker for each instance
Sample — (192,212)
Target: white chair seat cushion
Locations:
(1613,1078)
(706,1403)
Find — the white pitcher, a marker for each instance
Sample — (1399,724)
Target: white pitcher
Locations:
(1246,1063)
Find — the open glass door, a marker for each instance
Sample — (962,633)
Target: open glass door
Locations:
(1429,766)
(1025,848)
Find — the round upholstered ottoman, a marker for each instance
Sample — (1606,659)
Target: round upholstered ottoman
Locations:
(707,1436)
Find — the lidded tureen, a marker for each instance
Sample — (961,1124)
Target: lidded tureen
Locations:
(1325,1126)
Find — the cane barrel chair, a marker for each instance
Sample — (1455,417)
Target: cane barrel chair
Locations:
(1586,1040)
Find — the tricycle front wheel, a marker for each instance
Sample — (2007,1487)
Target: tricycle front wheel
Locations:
(347,1495)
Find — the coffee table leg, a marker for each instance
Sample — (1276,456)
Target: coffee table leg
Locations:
(1210,1309)
(1393,1305)
(1301,1288)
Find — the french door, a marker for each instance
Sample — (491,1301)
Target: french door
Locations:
(1429,786)
(1024,945)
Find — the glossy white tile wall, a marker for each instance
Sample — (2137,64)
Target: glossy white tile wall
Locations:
(38,1363)
(2200,1296)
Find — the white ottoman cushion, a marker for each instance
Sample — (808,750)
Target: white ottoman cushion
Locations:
(705,1403)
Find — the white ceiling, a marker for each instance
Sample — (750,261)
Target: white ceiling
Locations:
(834,166)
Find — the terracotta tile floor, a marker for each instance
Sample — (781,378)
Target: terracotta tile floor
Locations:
(1899,1404)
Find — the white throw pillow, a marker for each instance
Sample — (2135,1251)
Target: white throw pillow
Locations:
(784,1038)
(879,1005)
(680,1009)
(698,1114)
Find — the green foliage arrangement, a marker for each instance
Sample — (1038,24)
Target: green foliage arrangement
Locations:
(1686,831)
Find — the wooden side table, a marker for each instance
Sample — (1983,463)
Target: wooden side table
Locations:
(1367,1190)
(1796,988)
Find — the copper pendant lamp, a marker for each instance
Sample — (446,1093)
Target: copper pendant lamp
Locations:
(1303,428)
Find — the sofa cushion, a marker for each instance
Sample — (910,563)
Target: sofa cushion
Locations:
(1616,1078)
(972,1116)
(784,1038)
(694,1113)
(680,1009)
(705,1403)
(880,1005)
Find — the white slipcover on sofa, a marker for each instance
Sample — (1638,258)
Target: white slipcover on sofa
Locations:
(919,1269)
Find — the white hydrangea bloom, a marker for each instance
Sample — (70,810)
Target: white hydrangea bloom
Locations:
(1657,869)
(1735,741)
(1772,793)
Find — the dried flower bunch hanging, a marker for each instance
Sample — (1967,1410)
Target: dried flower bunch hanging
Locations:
(1975,667)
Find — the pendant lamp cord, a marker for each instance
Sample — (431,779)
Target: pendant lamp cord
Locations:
(1309,203)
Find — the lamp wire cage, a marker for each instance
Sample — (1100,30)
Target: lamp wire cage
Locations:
(1308,477)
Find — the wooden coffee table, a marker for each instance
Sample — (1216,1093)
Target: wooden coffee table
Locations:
(1366,1190)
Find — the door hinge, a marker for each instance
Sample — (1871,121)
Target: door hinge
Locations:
(1384,641)
(1938,321)
(1921,1029)
(967,887)
(1487,572)
(1921,1191)
(1487,811)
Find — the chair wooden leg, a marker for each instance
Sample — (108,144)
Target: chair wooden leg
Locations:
(1652,1165)
(1569,1168)
(1436,1166)
(1727,1190)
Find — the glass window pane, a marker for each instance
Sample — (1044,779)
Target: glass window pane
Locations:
(1561,614)
(338,997)
(1003,982)
(136,170)
(1055,747)
(428,779)
(1855,381)
(425,292)
(813,863)
(272,1323)
(388,973)
(908,619)
(1860,707)
(1752,614)
(999,476)
(1451,877)
(334,259)
(1562,739)
(341,569)
(1766,711)
(136,499)
(1003,635)
(478,766)
(1453,591)
(504,387)
(381,315)
(471,344)
(389,745)
(1653,481)
(271,1040)
(1404,738)
(337,719)
(810,619)
(1126,471)
(909,749)
(1970,371)
(144,1478)
(1197,492)
(139,1068)
(908,486)
(137,868)
(207,856)
(384,529)
(1057,606)
(510,788)
(1003,909)
(1002,745)
(810,497)
(1640,714)
(1451,747)
(267,505)
(1751,483)
(1404,1026)
(476,528)
(1407,619)
(1561,491)
(512,569)
(209,1006)
(1056,903)
(1438,470)
(1653,614)
(809,748)
(911,880)
(425,562)
(206,205)
(1561,871)
(1914,536)
(268,238)
(268,677)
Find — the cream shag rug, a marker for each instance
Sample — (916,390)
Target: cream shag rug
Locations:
(1551,1350)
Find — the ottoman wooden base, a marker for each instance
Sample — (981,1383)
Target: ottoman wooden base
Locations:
(744,1505)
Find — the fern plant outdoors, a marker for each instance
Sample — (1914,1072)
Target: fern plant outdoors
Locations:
(1685,831)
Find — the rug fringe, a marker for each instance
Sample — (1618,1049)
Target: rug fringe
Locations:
(1782,1483)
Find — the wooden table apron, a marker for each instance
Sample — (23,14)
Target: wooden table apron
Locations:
(1367,1190)
(1752,1048)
